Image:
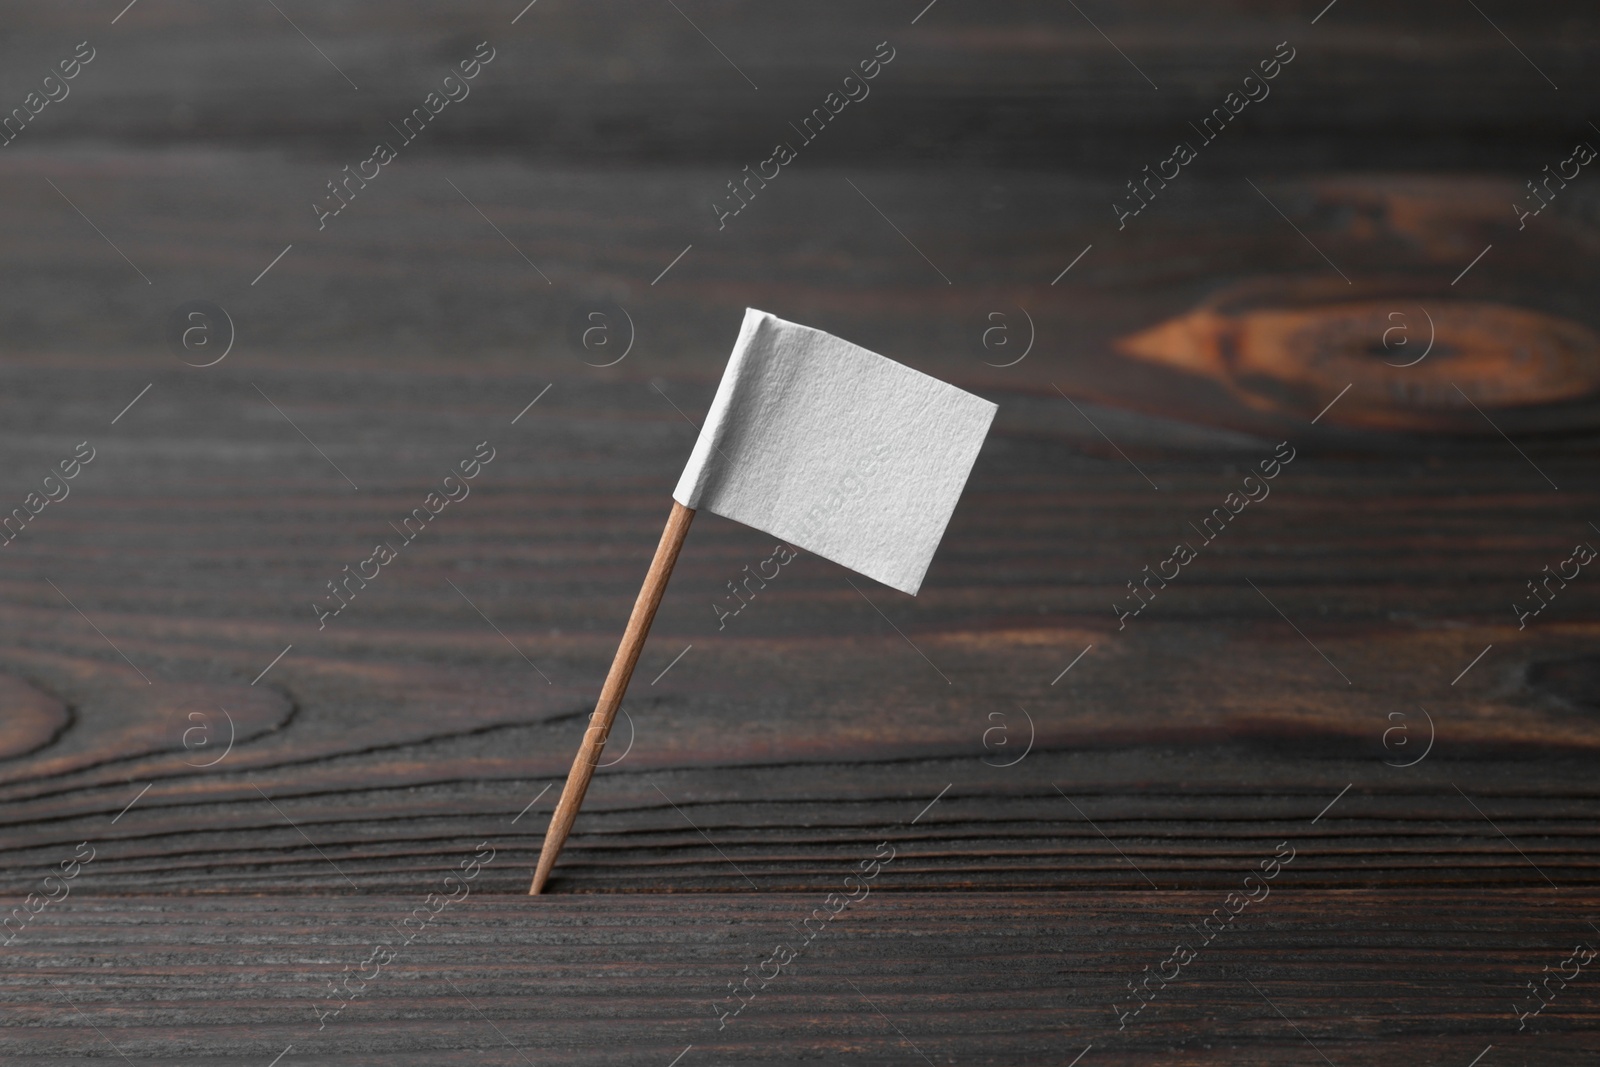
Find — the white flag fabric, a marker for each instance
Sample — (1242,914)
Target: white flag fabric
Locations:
(835,450)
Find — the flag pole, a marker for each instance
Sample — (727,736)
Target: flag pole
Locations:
(605,712)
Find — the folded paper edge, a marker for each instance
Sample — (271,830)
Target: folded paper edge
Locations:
(697,473)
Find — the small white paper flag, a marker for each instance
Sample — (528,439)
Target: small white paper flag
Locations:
(835,450)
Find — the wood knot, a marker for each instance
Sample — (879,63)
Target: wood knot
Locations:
(1415,359)
(31,718)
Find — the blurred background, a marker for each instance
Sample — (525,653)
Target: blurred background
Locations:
(997,142)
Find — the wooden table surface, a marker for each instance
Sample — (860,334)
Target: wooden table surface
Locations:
(1338,775)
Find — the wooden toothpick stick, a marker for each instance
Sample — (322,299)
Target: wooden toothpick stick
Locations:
(594,738)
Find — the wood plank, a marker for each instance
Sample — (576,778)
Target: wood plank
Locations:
(1206,725)
(1022,84)
(1342,669)
(417,271)
(1361,977)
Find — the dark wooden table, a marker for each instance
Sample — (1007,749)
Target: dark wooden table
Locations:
(1327,775)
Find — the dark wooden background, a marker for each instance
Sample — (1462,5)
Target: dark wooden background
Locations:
(1355,620)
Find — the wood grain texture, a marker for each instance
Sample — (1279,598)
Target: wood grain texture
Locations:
(817,718)
(410,270)
(1019,84)
(1362,977)
(1068,794)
